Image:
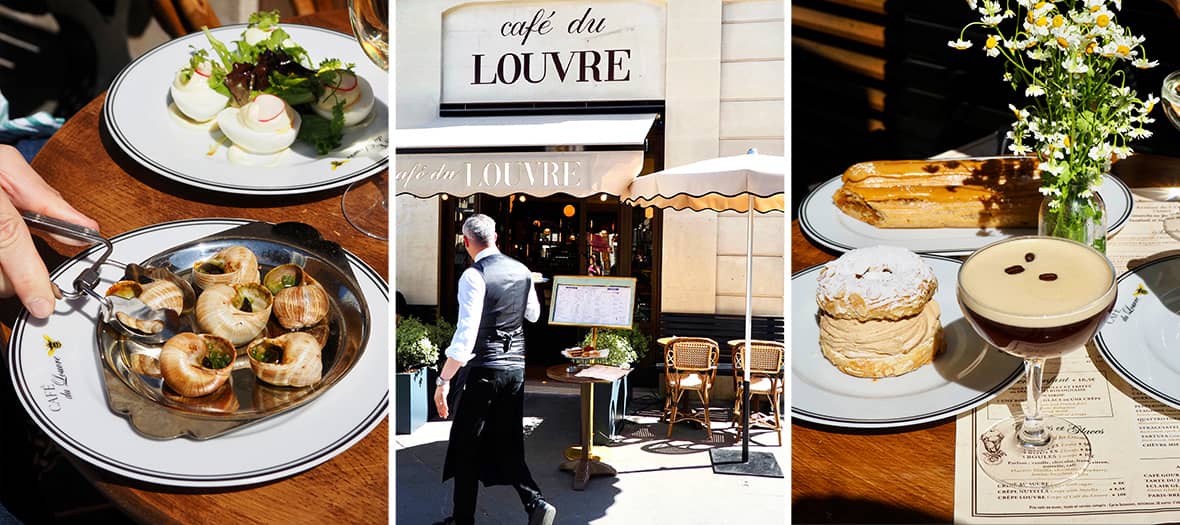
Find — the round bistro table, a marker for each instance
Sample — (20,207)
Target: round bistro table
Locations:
(580,459)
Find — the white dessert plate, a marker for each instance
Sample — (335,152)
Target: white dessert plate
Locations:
(825,224)
(137,115)
(965,375)
(62,389)
(1140,338)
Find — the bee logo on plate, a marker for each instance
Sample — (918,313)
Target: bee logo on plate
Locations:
(51,345)
(1141,290)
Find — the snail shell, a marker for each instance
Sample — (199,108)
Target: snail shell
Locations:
(220,400)
(291,359)
(231,265)
(159,295)
(237,313)
(300,300)
(195,365)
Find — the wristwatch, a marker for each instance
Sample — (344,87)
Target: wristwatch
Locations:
(439,381)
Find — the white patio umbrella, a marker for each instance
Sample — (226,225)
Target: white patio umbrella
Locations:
(745,183)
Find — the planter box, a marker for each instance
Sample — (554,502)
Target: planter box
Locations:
(610,405)
(411,402)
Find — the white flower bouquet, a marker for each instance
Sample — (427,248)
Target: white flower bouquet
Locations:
(1069,59)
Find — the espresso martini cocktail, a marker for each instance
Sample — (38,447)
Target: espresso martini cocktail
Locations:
(1036,298)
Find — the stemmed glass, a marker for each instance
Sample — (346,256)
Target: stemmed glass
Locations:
(1170,96)
(1036,298)
(365,203)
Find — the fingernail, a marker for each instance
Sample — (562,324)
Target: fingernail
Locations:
(40,307)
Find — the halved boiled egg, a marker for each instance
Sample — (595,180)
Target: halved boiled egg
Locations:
(253,35)
(265,125)
(195,98)
(356,93)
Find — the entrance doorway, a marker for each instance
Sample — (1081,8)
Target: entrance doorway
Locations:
(559,235)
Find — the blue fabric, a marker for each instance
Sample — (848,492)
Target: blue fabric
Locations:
(29,148)
(6,518)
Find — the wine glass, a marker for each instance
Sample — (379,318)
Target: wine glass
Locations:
(1170,98)
(365,203)
(1036,298)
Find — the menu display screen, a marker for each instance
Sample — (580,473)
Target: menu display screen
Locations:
(592,301)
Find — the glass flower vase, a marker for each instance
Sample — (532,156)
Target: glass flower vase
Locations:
(1082,219)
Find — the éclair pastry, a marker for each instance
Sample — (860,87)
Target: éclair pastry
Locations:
(963,193)
(877,317)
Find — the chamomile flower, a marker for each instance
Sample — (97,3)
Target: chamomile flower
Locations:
(990,45)
(1076,65)
(1139,133)
(959,44)
(1034,90)
(1144,63)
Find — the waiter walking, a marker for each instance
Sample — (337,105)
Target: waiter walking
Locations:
(496,295)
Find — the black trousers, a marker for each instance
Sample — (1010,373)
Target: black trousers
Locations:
(487,440)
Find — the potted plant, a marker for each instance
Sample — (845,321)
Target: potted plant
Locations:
(1069,60)
(415,353)
(440,334)
(610,403)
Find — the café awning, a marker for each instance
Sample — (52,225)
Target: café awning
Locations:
(579,155)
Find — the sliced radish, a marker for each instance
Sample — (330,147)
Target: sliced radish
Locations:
(203,69)
(344,86)
(269,105)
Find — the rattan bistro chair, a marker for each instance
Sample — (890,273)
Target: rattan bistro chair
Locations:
(691,365)
(766,379)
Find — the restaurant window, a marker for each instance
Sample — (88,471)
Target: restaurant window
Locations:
(560,235)
(564,235)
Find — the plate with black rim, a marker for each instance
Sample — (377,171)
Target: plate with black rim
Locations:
(967,374)
(137,115)
(57,371)
(826,225)
(1140,337)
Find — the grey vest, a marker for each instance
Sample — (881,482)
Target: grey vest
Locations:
(499,343)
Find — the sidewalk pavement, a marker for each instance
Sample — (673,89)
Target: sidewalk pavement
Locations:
(660,480)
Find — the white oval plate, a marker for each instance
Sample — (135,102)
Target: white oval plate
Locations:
(965,375)
(824,223)
(65,396)
(1142,334)
(136,114)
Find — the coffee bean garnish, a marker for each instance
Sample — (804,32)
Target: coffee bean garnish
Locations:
(1014,269)
(1047,277)
(1028,257)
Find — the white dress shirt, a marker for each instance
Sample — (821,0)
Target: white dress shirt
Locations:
(471,291)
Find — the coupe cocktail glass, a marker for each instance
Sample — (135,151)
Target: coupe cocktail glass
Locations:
(1036,298)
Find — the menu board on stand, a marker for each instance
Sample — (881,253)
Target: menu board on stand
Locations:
(594,302)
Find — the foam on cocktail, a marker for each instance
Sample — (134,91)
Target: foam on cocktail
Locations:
(1062,282)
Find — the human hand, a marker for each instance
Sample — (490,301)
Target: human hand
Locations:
(22,272)
(440,399)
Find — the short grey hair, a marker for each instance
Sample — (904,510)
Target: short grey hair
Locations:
(480,228)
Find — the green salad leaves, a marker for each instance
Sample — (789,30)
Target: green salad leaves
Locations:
(276,65)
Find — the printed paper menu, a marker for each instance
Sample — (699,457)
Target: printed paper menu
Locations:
(1134,476)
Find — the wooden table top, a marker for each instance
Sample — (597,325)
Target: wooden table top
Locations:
(96,177)
(901,475)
